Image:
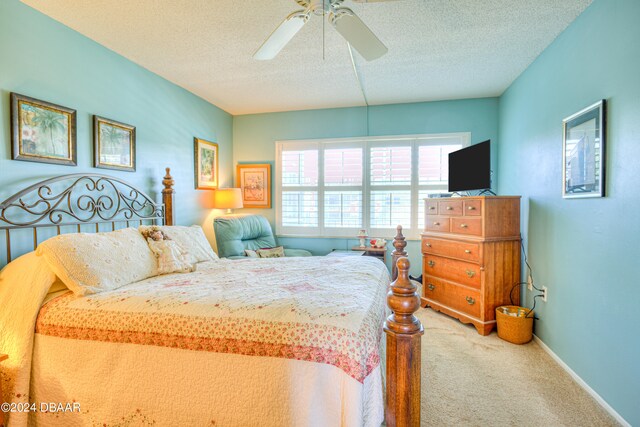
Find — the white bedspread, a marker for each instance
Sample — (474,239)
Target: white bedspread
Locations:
(287,341)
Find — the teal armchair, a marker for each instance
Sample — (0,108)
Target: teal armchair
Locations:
(235,233)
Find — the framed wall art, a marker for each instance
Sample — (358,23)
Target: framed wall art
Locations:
(255,182)
(206,164)
(42,132)
(583,152)
(114,145)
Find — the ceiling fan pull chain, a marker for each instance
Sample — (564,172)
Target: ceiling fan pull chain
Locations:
(323,31)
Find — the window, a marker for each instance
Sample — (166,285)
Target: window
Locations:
(333,188)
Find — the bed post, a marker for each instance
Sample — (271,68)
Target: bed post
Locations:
(404,332)
(399,243)
(167,198)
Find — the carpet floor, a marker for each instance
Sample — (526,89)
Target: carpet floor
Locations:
(471,380)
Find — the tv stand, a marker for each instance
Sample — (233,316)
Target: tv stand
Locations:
(487,191)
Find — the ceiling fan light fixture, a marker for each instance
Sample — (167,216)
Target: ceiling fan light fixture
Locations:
(343,19)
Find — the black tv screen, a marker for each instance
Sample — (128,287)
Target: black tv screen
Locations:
(470,168)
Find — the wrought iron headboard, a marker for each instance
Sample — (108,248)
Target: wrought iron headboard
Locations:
(79,199)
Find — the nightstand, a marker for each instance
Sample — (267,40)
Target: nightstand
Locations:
(380,253)
(2,357)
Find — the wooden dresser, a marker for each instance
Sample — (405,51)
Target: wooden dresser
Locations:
(471,256)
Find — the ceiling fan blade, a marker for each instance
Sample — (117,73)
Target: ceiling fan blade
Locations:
(282,35)
(357,33)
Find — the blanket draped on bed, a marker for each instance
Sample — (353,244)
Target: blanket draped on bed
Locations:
(323,311)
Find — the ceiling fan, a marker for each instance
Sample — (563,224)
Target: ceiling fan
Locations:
(343,19)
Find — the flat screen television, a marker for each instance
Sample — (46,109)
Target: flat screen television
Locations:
(470,168)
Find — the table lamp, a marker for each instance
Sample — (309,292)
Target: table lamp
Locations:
(227,198)
(362,235)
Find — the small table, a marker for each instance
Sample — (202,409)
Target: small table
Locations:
(2,357)
(380,253)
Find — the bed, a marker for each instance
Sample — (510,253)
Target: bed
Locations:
(284,341)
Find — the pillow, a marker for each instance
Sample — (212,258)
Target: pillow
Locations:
(58,286)
(251,254)
(190,239)
(92,263)
(271,252)
(171,257)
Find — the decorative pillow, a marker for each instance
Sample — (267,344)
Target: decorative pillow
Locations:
(171,257)
(91,263)
(190,239)
(271,252)
(251,254)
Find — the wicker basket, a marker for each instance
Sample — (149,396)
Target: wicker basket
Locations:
(515,324)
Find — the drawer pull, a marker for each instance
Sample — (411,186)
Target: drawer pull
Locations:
(432,208)
(449,208)
(467,251)
(471,208)
(428,245)
(471,273)
(470,300)
(463,226)
(431,286)
(431,263)
(436,223)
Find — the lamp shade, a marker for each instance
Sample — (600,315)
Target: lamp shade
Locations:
(227,198)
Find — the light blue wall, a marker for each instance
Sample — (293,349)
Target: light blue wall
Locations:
(585,251)
(42,58)
(254,139)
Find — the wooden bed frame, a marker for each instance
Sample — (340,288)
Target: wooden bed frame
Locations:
(100,200)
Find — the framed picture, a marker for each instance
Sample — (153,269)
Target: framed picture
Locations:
(255,182)
(206,164)
(42,132)
(583,152)
(114,145)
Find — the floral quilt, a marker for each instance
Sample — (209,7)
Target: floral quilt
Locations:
(325,310)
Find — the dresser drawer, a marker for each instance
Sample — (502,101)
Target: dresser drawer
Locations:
(450,207)
(471,226)
(453,270)
(438,223)
(431,207)
(451,295)
(472,208)
(451,248)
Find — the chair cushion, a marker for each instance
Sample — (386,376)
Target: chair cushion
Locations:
(236,233)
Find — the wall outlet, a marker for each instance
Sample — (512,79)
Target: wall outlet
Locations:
(529,282)
(545,293)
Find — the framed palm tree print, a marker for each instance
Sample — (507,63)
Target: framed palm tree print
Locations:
(42,132)
(206,164)
(114,145)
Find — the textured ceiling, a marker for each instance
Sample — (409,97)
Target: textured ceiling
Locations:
(438,49)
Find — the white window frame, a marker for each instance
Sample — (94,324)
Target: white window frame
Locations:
(411,230)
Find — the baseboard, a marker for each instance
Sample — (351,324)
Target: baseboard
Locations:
(582,383)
